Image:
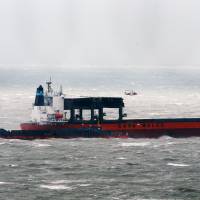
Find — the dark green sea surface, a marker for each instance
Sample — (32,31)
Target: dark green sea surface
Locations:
(164,168)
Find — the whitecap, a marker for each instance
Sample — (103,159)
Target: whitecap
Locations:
(84,185)
(60,181)
(41,145)
(93,157)
(12,165)
(135,144)
(178,164)
(67,181)
(4,183)
(56,187)
(14,141)
(165,144)
(121,158)
(166,137)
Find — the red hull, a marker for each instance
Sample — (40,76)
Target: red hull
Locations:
(130,128)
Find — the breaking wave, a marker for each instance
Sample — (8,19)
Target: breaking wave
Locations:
(135,144)
(56,187)
(40,145)
(178,164)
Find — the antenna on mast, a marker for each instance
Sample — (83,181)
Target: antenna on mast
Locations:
(49,89)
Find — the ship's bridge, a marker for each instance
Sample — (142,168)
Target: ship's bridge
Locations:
(92,104)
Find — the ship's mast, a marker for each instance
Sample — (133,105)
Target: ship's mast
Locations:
(49,89)
(61,90)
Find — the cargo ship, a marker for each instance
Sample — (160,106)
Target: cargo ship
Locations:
(56,116)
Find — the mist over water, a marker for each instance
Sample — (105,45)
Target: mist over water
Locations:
(124,169)
(165,92)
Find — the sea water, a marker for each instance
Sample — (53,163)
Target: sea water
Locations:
(164,168)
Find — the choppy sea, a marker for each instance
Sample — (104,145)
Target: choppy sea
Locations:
(164,168)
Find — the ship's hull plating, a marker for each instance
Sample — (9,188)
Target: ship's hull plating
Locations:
(96,133)
(139,128)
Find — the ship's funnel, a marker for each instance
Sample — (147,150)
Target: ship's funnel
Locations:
(39,98)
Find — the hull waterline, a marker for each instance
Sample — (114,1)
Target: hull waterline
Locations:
(146,128)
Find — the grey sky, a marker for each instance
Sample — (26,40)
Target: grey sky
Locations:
(100,32)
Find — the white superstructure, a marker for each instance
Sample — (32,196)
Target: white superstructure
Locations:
(48,106)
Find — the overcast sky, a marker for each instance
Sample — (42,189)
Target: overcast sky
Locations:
(100,32)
